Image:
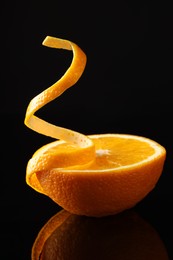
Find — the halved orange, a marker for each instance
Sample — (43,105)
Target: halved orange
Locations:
(126,168)
(123,236)
(94,175)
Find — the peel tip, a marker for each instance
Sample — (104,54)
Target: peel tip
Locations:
(46,40)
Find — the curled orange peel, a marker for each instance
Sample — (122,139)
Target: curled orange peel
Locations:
(84,143)
(95,175)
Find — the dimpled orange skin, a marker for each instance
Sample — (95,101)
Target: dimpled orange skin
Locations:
(104,192)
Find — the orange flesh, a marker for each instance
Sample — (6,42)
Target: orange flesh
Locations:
(111,154)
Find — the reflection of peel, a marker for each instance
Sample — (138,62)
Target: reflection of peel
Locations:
(124,236)
(46,232)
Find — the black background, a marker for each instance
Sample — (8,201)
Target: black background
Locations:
(126,88)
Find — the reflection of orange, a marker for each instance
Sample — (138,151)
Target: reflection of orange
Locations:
(125,236)
(94,175)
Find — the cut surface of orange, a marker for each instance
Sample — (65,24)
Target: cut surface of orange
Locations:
(93,175)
